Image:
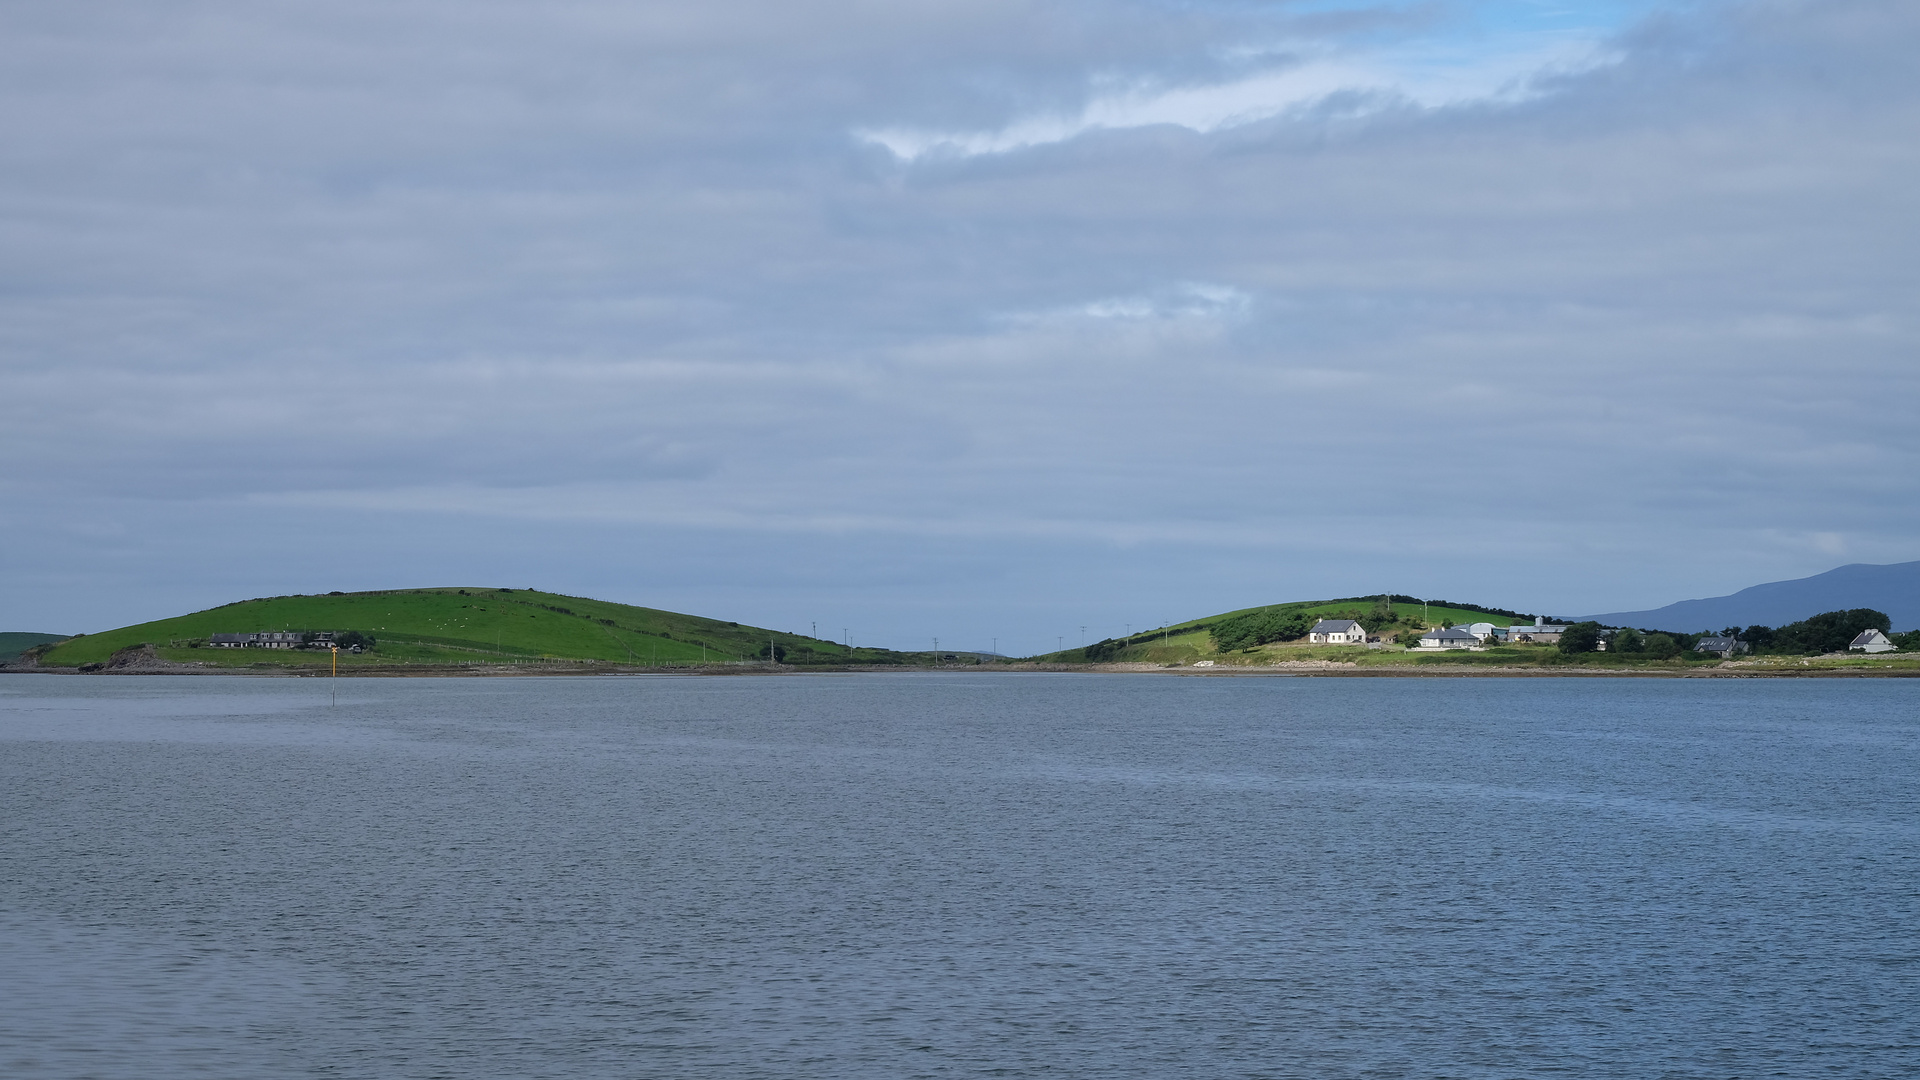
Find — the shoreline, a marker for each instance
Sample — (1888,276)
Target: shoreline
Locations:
(1289,669)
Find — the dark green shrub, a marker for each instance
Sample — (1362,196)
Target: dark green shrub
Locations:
(1581,637)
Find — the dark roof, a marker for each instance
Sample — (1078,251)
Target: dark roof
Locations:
(1715,644)
(1452,633)
(1334,626)
(1865,637)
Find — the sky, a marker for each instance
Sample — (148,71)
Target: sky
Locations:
(1014,323)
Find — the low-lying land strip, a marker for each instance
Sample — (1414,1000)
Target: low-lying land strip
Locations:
(1275,640)
(498,631)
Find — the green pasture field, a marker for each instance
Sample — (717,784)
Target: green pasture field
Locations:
(460,625)
(1434,614)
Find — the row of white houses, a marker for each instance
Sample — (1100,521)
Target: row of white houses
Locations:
(1542,632)
(273,639)
(1348,632)
(1476,635)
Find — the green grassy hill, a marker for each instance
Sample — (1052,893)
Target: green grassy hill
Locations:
(13,643)
(1185,642)
(470,625)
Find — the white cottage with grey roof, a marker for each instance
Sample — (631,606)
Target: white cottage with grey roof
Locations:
(1871,641)
(1454,637)
(1541,632)
(1337,632)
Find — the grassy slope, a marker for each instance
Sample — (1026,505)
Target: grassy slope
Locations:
(13,643)
(1187,641)
(459,625)
(1183,644)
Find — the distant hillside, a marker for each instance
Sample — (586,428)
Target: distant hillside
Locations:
(1191,639)
(1893,588)
(1434,612)
(13,643)
(455,625)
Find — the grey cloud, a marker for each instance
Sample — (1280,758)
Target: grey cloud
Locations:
(629,263)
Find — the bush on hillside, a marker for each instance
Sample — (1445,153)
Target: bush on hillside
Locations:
(1257,628)
(1379,617)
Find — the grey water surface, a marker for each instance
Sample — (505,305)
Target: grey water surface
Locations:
(937,875)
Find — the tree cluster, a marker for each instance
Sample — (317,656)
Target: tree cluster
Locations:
(1257,628)
(1648,646)
(1829,631)
(1581,637)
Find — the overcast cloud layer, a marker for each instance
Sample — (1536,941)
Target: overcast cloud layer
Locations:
(987,320)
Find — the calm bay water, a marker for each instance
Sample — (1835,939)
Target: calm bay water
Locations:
(958,875)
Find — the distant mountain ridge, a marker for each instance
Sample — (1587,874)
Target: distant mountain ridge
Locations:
(1893,588)
(13,643)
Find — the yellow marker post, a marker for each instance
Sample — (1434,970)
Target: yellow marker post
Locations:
(336,673)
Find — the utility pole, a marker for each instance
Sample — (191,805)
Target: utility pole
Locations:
(1060,641)
(1083,636)
(936,652)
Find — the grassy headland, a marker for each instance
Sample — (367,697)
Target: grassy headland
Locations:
(461,627)
(1194,639)
(1212,641)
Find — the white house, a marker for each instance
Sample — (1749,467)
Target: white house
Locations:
(1871,641)
(1456,637)
(271,639)
(1541,632)
(1337,632)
